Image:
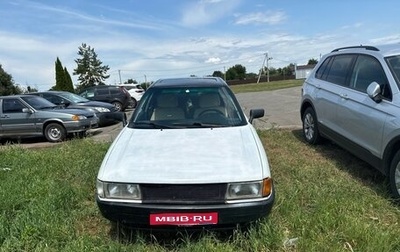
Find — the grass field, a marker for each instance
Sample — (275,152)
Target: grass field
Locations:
(326,200)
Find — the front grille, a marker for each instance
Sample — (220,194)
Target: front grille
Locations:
(183,194)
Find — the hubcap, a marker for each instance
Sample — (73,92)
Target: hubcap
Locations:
(55,133)
(308,126)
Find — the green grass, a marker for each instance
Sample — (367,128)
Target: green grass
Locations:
(266,86)
(325,198)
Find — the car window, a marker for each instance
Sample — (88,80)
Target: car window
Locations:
(394,65)
(12,106)
(366,70)
(52,98)
(115,90)
(339,69)
(188,107)
(87,93)
(101,91)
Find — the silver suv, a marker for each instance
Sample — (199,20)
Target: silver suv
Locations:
(352,98)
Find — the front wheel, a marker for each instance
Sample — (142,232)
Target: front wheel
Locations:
(310,126)
(394,176)
(55,132)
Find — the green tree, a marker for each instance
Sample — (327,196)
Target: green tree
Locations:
(90,69)
(130,81)
(312,62)
(7,86)
(236,72)
(63,78)
(69,85)
(218,74)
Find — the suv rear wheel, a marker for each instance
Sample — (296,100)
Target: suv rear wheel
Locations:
(310,127)
(394,176)
(117,105)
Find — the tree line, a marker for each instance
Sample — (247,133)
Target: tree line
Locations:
(91,71)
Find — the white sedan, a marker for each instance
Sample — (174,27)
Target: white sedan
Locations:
(188,157)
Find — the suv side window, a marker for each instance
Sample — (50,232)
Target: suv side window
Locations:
(102,91)
(367,70)
(335,69)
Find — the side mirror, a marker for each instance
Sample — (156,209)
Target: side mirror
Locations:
(374,92)
(256,113)
(26,110)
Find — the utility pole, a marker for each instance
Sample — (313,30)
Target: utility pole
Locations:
(224,74)
(262,67)
(268,59)
(119,73)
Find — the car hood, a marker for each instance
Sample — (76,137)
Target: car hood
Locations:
(83,112)
(96,104)
(168,156)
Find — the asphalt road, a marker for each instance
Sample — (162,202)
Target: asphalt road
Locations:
(281,111)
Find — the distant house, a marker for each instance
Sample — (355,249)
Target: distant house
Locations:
(303,71)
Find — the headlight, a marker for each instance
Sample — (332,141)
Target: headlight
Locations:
(118,191)
(78,117)
(101,109)
(249,190)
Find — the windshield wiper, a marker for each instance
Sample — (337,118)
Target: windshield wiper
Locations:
(199,125)
(151,125)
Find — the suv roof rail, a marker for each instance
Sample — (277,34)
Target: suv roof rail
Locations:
(372,48)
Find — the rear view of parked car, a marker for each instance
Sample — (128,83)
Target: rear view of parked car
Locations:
(29,115)
(190,158)
(352,97)
(116,95)
(106,112)
(136,91)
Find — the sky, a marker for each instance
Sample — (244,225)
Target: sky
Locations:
(153,39)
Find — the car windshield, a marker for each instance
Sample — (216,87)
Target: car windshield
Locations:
(73,97)
(188,107)
(394,65)
(38,102)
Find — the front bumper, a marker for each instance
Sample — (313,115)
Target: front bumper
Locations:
(229,215)
(106,118)
(80,126)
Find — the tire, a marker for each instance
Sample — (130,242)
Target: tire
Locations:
(394,176)
(55,132)
(117,105)
(310,127)
(133,102)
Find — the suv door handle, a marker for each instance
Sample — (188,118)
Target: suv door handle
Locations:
(344,96)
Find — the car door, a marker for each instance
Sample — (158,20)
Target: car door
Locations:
(360,118)
(332,78)
(15,119)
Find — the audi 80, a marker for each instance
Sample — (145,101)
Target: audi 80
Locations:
(189,157)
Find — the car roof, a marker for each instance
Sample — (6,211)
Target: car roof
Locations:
(50,92)
(190,81)
(384,50)
(14,96)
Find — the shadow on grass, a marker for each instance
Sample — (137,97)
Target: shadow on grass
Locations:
(346,161)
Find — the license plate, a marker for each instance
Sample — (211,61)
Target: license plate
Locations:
(184,219)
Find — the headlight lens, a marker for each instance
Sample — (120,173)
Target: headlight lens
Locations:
(78,117)
(101,109)
(249,190)
(118,191)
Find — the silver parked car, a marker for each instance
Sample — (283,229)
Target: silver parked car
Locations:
(29,115)
(352,97)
